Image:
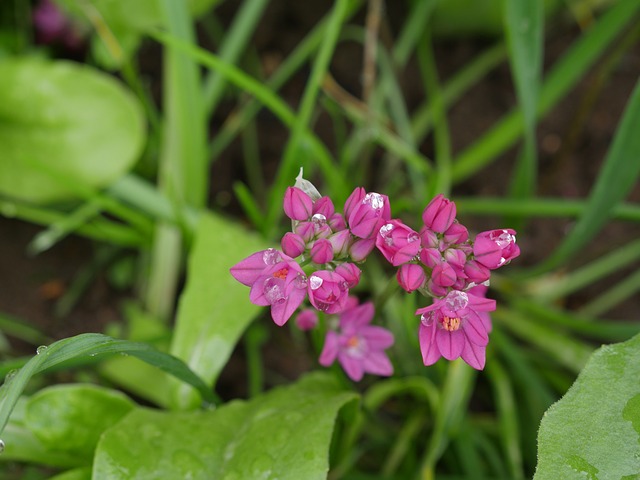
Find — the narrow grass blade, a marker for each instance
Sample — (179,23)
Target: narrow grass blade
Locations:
(617,176)
(92,344)
(563,76)
(608,299)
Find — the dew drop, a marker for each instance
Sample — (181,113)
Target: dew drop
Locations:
(457,300)
(273,291)
(413,237)
(427,319)
(323,307)
(300,281)
(9,376)
(504,239)
(315,282)
(41,349)
(375,200)
(319,219)
(1,446)
(271,256)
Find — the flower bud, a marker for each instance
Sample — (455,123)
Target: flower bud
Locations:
(439,214)
(361,248)
(495,248)
(443,275)
(321,251)
(476,272)
(324,206)
(456,234)
(411,276)
(430,257)
(350,273)
(398,243)
(297,204)
(369,215)
(292,244)
(328,291)
(307,319)
(353,201)
(340,242)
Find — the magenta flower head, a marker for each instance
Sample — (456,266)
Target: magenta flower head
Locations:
(495,248)
(358,346)
(455,326)
(297,204)
(282,284)
(439,214)
(322,251)
(367,216)
(328,291)
(398,243)
(411,276)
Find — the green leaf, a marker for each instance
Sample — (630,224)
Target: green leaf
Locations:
(67,420)
(214,309)
(76,349)
(593,432)
(75,474)
(282,434)
(73,118)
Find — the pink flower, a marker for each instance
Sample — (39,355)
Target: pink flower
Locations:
(361,248)
(322,251)
(297,204)
(368,215)
(328,291)
(455,326)
(307,319)
(340,242)
(350,273)
(411,276)
(439,214)
(495,248)
(275,279)
(292,244)
(398,243)
(358,346)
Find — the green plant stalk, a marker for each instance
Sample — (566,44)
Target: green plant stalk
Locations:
(183,173)
(286,170)
(540,208)
(459,381)
(235,40)
(564,75)
(442,136)
(412,31)
(22,330)
(552,287)
(507,417)
(612,296)
(403,442)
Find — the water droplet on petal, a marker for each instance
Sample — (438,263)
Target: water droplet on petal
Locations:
(457,300)
(427,319)
(319,219)
(1,446)
(41,349)
(273,290)
(315,282)
(300,281)
(413,237)
(323,307)
(504,239)
(374,199)
(271,256)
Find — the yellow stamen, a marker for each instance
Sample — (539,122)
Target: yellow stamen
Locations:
(451,324)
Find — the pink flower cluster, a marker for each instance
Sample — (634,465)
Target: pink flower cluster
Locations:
(317,263)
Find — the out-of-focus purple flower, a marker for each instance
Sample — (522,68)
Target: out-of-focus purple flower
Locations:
(358,346)
(439,214)
(367,216)
(307,319)
(411,276)
(495,248)
(321,251)
(454,327)
(297,204)
(328,291)
(292,244)
(52,26)
(398,243)
(283,286)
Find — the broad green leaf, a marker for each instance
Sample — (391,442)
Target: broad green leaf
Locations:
(214,309)
(77,349)
(75,474)
(593,432)
(76,120)
(283,434)
(71,418)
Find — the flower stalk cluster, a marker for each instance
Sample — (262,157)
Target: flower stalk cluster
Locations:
(319,263)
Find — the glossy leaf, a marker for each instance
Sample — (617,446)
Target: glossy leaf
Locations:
(283,434)
(593,432)
(80,123)
(214,309)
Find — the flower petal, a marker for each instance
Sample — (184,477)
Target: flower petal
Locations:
(377,363)
(281,312)
(249,269)
(330,349)
(475,331)
(450,344)
(351,366)
(428,347)
(377,338)
(474,355)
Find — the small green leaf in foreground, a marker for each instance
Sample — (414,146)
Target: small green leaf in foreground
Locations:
(593,432)
(283,434)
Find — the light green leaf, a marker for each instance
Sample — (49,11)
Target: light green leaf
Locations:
(75,474)
(283,434)
(76,120)
(593,432)
(214,309)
